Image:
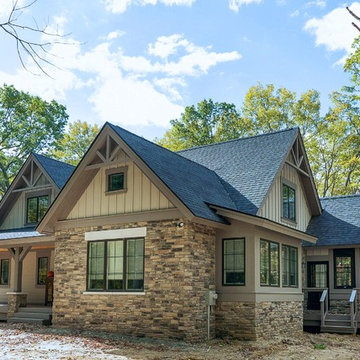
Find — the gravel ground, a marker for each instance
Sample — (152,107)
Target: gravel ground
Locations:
(20,341)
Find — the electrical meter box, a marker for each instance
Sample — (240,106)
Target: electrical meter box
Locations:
(210,297)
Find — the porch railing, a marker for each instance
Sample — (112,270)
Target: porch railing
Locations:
(324,306)
(353,307)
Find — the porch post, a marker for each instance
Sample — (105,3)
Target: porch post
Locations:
(17,297)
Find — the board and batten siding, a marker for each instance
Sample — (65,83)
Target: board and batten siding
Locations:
(16,217)
(272,206)
(141,195)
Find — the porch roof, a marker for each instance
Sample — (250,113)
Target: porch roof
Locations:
(27,232)
(339,223)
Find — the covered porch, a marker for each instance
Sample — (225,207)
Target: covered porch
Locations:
(26,258)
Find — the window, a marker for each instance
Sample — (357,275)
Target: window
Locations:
(344,268)
(289,266)
(36,208)
(317,274)
(4,272)
(42,270)
(269,263)
(116,182)
(234,262)
(288,199)
(116,265)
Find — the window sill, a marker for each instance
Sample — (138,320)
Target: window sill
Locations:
(289,221)
(113,293)
(115,192)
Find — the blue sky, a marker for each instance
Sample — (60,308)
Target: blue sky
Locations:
(138,63)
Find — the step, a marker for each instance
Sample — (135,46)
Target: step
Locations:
(345,317)
(32,315)
(338,329)
(36,309)
(28,320)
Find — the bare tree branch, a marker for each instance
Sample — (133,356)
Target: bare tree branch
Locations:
(37,51)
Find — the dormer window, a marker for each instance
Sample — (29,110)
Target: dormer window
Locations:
(36,207)
(116,180)
(288,202)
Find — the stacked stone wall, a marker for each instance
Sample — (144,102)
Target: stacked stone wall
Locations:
(179,270)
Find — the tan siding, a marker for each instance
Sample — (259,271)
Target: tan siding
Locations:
(141,195)
(16,216)
(272,206)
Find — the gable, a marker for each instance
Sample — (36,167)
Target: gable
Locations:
(141,193)
(296,173)
(31,180)
(272,206)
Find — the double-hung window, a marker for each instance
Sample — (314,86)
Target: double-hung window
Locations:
(234,262)
(288,202)
(269,263)
(4,272)
(42,270)
(116,265)
(289,266)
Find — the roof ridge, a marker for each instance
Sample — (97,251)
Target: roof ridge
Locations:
(339,196)
(238,139)
(50,158)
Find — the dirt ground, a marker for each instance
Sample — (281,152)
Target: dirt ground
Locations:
(35,342)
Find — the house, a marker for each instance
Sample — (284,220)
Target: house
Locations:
(203,242)
(26,256)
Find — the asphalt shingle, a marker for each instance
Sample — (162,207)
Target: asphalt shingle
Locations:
(339,223)
(57,170)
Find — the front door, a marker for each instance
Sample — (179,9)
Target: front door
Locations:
(317,277)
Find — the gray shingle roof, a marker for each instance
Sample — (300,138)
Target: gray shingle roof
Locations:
(247,166)
(192,183)
(57,170)
(19,233)
(234,174)
(339,224)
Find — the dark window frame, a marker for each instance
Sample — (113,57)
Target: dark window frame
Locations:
(297,266)
(345,253)
(38,269)
(288,204)
(223,263)
(269,259)
(8,279)
(104,289)
(28,198)
(312,263)
(114,171)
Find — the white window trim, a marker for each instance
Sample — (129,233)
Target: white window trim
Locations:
(115,234)
(127,293)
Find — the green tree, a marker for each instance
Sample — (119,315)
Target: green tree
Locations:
(205,123)
(75,142)
(27,123)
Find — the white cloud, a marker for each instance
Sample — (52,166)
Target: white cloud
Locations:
(120,6)
(235,5)
(6,7)
(114,35)
(128,90)
(316,3)
(197,60)
(334,30)
(295,13)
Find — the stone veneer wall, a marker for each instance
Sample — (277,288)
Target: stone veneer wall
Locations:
(179,269)
(263,320)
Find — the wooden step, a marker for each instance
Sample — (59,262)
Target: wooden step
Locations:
(338,329)
(36,309)
(28,321)
(32,315)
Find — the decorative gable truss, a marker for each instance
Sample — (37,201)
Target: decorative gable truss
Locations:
(297,158)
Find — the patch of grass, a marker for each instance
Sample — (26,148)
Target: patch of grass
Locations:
(319,346)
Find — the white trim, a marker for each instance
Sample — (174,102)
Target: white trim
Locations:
(112,293)
(115,234)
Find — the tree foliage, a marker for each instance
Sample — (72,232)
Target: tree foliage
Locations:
(332,140)
(27,123)
(75,142)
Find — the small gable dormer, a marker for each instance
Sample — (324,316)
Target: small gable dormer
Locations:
(32,191)
(292,199)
